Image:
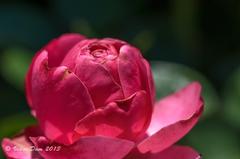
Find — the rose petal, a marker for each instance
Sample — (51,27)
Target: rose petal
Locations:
(101,86)
(115,42)
(173,152)
(60,100)
(129,72)
(135,73)
(70,59)
(149,78)
(95,147)
(125,119)
(176,107)
(167,136)
(111,63)
(176,152)
(85,47)
(112,67)
(20,147)
(57,49)
(176,115)
(33,131)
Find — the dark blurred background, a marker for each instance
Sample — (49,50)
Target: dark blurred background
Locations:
(185,40)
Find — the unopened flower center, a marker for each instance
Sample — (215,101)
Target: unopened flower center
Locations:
(103,51)
(98,50)
(99,53)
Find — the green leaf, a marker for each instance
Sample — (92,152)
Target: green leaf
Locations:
(231,94)
(14,65)
(12,125)
(170,77)
(214,140)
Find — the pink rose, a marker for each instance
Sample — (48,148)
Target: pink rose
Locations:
(93,99)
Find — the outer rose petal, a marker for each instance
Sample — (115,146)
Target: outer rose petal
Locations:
(20,147)
(57,49)
(95,147)
(10,148)
(149,80)
(176,152)
(135,74)
(60,100)
(124,119)
(167,136)
(173,152)
(176,107)
(101,85)
(132,63)
(129,72)
(180,112)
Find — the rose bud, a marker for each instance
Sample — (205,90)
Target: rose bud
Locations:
(93,98)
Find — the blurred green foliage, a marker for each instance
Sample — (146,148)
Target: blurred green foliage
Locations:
(171,77)
(231,98)
(198,40)
(12,124)
(215,140)
(14,65)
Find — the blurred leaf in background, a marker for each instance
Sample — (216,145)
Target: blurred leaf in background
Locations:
(169,77)
(13,124)
(214,140)
(14,64)
(231,97)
